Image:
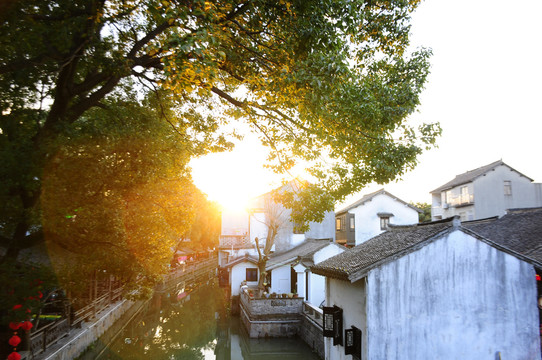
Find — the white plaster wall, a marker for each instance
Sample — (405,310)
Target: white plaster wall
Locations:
(317,289)
(331,250)
(238,273)
(489,198)
(234,222)
(351,298)
(367,222)
(324,229)
(286,238)
(317,283)
(281,280)
(257,226)
(301,283)
(236,253)
(456,298)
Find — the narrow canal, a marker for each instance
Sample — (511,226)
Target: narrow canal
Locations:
(196,325)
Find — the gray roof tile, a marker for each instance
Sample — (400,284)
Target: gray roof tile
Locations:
(304,251)
(518,233)
(519,230)
(471,175)
(370,196)
(390,244)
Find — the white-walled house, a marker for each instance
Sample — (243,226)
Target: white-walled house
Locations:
(240,229)
(487,191)
(430,291)
(290,270)
(371,215)
(234,241)
(242,270)
(263,206)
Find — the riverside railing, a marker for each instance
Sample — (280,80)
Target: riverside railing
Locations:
(314,313)
(45,336)
(192,271)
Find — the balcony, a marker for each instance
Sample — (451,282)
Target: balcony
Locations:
(235,242)
(461,200)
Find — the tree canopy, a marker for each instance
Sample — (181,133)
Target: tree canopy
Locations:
(330,82)
(424,216)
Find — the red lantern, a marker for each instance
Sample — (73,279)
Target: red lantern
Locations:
(15,325)
(27,325)
(538,277)
(14,341)
(14,356)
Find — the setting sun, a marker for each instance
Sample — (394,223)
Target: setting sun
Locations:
(233,178)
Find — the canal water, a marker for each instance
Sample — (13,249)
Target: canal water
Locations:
(195,324)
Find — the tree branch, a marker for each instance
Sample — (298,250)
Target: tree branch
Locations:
(229,98)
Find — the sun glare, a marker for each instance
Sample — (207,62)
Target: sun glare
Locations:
(233,202)
(233,178)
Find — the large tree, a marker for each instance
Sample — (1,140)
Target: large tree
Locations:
(205,229)
(117,197)
(330,82)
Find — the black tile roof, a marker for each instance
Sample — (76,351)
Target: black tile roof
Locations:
(471,175)
(394,243)
(518,233)
(519,230)
(304,252)
(241,259)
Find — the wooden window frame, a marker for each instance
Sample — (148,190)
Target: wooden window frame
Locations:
(251,270)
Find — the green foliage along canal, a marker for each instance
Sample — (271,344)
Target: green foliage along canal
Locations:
(196,325)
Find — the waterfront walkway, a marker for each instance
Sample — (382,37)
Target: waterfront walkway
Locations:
(77,339)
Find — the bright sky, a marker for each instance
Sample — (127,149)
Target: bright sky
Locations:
(485,89)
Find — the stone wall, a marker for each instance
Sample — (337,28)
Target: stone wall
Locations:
(311,328)
(312,334)
(271,317)
(80,339)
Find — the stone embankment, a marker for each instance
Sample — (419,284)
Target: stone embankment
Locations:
(78,340)
(282,317)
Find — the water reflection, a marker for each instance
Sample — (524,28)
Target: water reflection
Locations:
(196,325)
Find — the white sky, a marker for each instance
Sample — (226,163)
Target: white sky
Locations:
(484,89)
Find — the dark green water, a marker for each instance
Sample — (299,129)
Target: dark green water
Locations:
(196,326)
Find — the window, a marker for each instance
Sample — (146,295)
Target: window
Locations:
(384,222)
(352,223)
(507,187)
(338,224)
(464,195)
(252,274)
